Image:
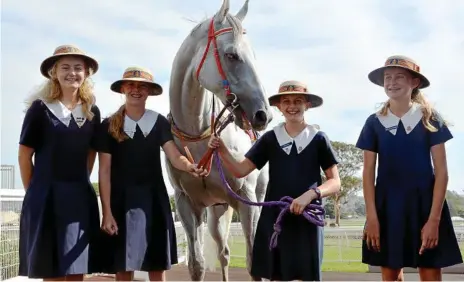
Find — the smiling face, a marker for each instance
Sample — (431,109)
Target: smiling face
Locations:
(293,107)
(399,83)
(70,72)
(136,92)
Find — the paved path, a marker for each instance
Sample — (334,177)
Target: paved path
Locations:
(180,273)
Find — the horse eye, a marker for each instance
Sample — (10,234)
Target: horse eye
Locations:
(232,56)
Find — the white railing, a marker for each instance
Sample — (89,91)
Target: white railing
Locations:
(342,245)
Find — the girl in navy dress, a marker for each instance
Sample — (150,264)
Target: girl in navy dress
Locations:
(296,152)
(408,221)
(136,208)
(59,217)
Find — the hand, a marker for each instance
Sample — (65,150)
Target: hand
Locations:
(195,171)
(299,204)
(214,142)
(372,234)
(109,224)
(429,235)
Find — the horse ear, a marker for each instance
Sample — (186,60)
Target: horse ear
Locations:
(243,11)
(221,14)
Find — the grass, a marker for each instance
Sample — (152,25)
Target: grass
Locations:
(344,256)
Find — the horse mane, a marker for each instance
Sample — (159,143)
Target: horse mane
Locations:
(235,23)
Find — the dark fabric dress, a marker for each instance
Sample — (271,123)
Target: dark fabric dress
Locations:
(404,191)
(146,240)
(59,222)
(294,166)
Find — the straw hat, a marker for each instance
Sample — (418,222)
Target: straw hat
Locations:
(67,50)
(138,74)
(293,87)
(376,76)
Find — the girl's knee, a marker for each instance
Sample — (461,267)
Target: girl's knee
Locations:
(125,276)
(390,274)
(430,274)
(157,275)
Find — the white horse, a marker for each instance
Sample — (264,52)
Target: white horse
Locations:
(197,86)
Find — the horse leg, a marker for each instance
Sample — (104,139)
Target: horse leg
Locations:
(191,219)
(219,219)
(249,216)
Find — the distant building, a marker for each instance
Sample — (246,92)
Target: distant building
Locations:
(7,177)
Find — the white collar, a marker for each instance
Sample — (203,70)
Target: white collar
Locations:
(146,123)
(64,114)
(302,140)
(410,120)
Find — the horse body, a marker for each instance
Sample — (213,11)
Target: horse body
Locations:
(191,101)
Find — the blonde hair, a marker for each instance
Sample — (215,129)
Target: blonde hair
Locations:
(50,92)
(427,109)
(116,124)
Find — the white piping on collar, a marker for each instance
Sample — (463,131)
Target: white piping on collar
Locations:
(64,114)
(410,120)
(146,123)
(302,140)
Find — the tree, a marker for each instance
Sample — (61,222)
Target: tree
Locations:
(350,163)
(95,187)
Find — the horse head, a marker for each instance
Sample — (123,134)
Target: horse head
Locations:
(225,65)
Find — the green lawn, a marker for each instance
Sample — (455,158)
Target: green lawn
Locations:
(342,259)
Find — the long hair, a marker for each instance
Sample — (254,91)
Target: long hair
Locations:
(116,126)
(427,109)
(50,92)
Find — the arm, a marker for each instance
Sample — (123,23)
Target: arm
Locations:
(175,157)
(370,159)
(29,141)
(104,181)
(96,122)
(238,168)
(441,181)
(91,160)
(333,184)
(26,167)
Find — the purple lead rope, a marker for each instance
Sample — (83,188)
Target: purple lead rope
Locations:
(313,213)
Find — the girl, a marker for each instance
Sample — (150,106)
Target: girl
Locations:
(59,217)
(136,208)
(408,222)
(296,153)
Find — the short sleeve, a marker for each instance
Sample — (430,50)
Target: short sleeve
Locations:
(368,138)
(327,155)
(96,122)
(259,152)
(164,130)
(103,138)
(32,127)
(442,134)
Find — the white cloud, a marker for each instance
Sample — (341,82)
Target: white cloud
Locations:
(332,45)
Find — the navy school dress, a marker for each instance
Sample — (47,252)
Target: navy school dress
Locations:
(59,222)
(146,239)
(404,191)
(294,166)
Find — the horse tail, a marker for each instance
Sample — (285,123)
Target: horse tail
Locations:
(210,252)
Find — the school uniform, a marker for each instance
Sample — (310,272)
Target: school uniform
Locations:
(146,238)
(294,166)
(59,218)
(404,190)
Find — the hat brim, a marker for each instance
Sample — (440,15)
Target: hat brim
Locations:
(157,89)
(376,76)
(48,63)
(313,99)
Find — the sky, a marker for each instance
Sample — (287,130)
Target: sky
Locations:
(330,45)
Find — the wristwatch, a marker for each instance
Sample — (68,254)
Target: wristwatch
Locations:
(318,192)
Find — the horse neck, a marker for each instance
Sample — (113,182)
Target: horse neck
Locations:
(191,104)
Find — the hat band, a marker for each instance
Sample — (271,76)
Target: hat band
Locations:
(138,74)
(404,63)
(67,49)
(291,88)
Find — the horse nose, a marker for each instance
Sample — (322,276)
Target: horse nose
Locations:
(260,118)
